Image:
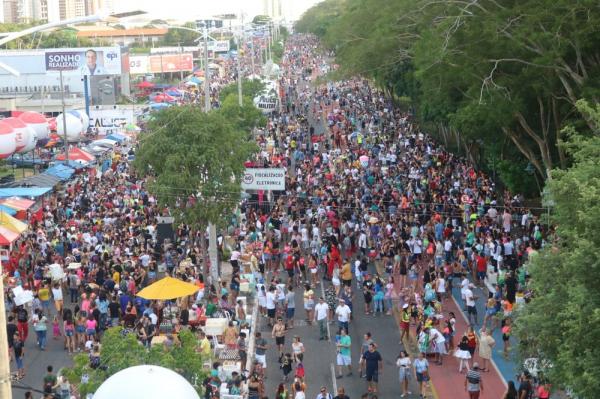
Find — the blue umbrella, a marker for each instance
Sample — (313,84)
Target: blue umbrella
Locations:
(173,93)
(195,79)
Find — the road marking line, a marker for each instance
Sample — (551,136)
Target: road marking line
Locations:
(327,324)
(333,380)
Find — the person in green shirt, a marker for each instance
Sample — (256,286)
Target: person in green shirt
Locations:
(344,358)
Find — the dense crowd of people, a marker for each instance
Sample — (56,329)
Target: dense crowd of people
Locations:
(373,207)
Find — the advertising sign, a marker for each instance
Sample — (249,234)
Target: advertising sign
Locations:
(171,63)
(39,70)
(91,61)
(108,121)
(138,64)
(264,179)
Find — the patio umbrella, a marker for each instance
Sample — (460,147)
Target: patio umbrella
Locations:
(159,105)
(12,224)
(196,80)
(145,85)
(190,83)
(168,288)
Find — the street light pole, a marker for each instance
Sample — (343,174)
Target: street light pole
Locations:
(206,78)
(180,63)
(239,68)
(64,118)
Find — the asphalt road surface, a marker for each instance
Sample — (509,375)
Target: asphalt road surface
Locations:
(320,356)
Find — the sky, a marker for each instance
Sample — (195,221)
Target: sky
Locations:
(187,10)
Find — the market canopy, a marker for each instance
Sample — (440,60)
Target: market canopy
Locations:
(16,203)
(76,154)
(63,172)
(116,137)
(24,191)
(168,288)
(8,210)
(7,236)
(12,224)
(145,85)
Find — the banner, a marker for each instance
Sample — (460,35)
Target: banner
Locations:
(107,121)
(264,179)
(171,63)
(139,64)
(90,61)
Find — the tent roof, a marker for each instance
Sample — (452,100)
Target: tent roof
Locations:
(24,191)
(19,204)
(77,154)
(7,236)
(41,180)
(116,137)
(11,223)
(10,211)
(63,172)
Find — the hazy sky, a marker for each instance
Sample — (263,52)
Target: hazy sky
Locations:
(187,10)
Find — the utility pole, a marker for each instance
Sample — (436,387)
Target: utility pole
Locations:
(64,118)
(180,63)
(239,57)
(5,384)
(206,78)
(212,229)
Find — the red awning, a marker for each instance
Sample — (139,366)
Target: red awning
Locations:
(16,203)
(7,236)
(76,154)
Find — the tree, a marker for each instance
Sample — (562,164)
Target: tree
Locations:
(250,88)
(516,68)
(194,162)
(120,351)
(561,322)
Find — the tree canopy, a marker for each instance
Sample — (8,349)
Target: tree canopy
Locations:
(502,78)
(120,351)
(561,321)
(195,161)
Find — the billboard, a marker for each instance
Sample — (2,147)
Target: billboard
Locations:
(264,179)
(39,69)
(91,61)
(108,121)
(138,64)
(170,63)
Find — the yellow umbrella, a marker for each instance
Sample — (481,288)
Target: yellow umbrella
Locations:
(11,223)
(168,288)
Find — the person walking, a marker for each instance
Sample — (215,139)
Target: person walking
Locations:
(343,312)
(486,345)
(19,352)
(473,382)
(278,333)
(403,363)
(344,352)
(421,366)
(40,326)
(373,367)
(322,318)
(323,394)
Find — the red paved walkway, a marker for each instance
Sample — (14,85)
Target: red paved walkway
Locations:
(448,383)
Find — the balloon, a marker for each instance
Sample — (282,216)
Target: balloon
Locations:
(83,117)
(74,127)
(37,122)
(8,142)
(31,141)
(21,132)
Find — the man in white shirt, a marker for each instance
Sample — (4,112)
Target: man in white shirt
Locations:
(322,317)
(343,312)
(470,301)
(271,300)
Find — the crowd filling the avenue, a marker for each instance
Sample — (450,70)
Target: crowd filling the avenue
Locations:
(373,208)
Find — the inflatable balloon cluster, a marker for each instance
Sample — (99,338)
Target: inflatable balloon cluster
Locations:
(20,135)
(77,123)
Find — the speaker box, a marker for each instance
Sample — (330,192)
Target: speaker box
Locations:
(165,231)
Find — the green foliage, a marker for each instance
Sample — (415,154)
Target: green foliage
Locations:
(507,73)
(119,352)
(250,88)
(245,117)
(561,322)
(66,37)
(195,161)
(183,37)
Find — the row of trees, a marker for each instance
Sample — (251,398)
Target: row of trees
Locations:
(498,79)
(504,80)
